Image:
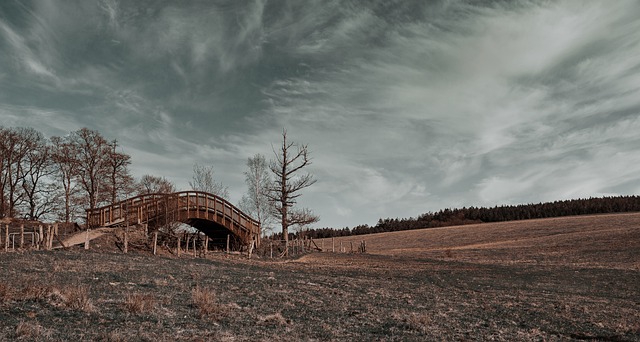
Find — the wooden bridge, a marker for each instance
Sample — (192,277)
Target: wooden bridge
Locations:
(206,212)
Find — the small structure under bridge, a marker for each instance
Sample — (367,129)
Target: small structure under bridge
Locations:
(210,214)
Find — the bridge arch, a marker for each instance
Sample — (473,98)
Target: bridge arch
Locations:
(211,214)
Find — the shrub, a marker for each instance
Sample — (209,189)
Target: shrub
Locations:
(205,301)
(77,298)
(138,303)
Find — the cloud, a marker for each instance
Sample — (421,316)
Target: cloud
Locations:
(406,106)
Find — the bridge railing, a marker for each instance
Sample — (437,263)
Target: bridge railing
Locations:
(154,207)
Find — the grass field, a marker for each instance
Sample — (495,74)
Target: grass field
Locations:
(560,279)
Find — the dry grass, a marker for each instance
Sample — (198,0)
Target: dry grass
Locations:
(138,303)
(489,288)
(205,301)
(576,240)
(5,293)
(77,298)
(273,319)
(31,331)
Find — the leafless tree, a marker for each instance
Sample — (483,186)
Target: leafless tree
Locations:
(150,184)
(15,144)
(203,181)
(289,160)
(63,156)
(120,182)
(256,202)
(91,158)
(39,190)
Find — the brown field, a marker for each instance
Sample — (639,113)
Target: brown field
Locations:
(565,279)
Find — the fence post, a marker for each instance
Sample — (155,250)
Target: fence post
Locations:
(86,239)
(333,245)
(155,242)
(178,245)
(21,236)
(6,237)
(126,240)
(40,237)
(341,249)
(194,247)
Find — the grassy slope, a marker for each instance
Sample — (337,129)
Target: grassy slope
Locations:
(611,241)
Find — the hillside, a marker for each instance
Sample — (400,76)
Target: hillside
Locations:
(611,241)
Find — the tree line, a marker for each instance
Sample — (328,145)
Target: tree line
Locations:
(472,215)
(58,178)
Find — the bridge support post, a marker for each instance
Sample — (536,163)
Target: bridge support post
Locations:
(227,243)
(194,248)
(206,245)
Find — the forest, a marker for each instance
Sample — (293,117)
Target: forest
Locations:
(472,215)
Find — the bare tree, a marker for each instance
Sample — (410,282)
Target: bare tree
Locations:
(16,144)
(203,181)
(91,158)
(289,160)
(150,184)
(63,157)
(38,168)
(256,202)
(120,182)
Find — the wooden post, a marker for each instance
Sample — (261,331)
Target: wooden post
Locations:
(351,246)
(322,245)
(194,248)
(21,236)
(227,243)
(40,237)
(271,248)
(155,242)
(206,244)
(46,242)
(186,248)
(126,240)
(50,237)
(333,245)
(86,239)
(178,246)
(6,237)
(341,251)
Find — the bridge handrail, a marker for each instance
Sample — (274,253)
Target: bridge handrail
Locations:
(145,199)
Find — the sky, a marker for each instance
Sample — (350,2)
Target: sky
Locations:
(406,106)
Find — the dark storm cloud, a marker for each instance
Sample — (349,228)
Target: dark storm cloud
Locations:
(408,106)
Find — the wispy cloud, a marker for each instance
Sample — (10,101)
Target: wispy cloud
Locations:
(407,106)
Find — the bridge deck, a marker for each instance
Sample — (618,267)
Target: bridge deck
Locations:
(182,206)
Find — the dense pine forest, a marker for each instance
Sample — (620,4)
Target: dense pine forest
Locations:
(471,215)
